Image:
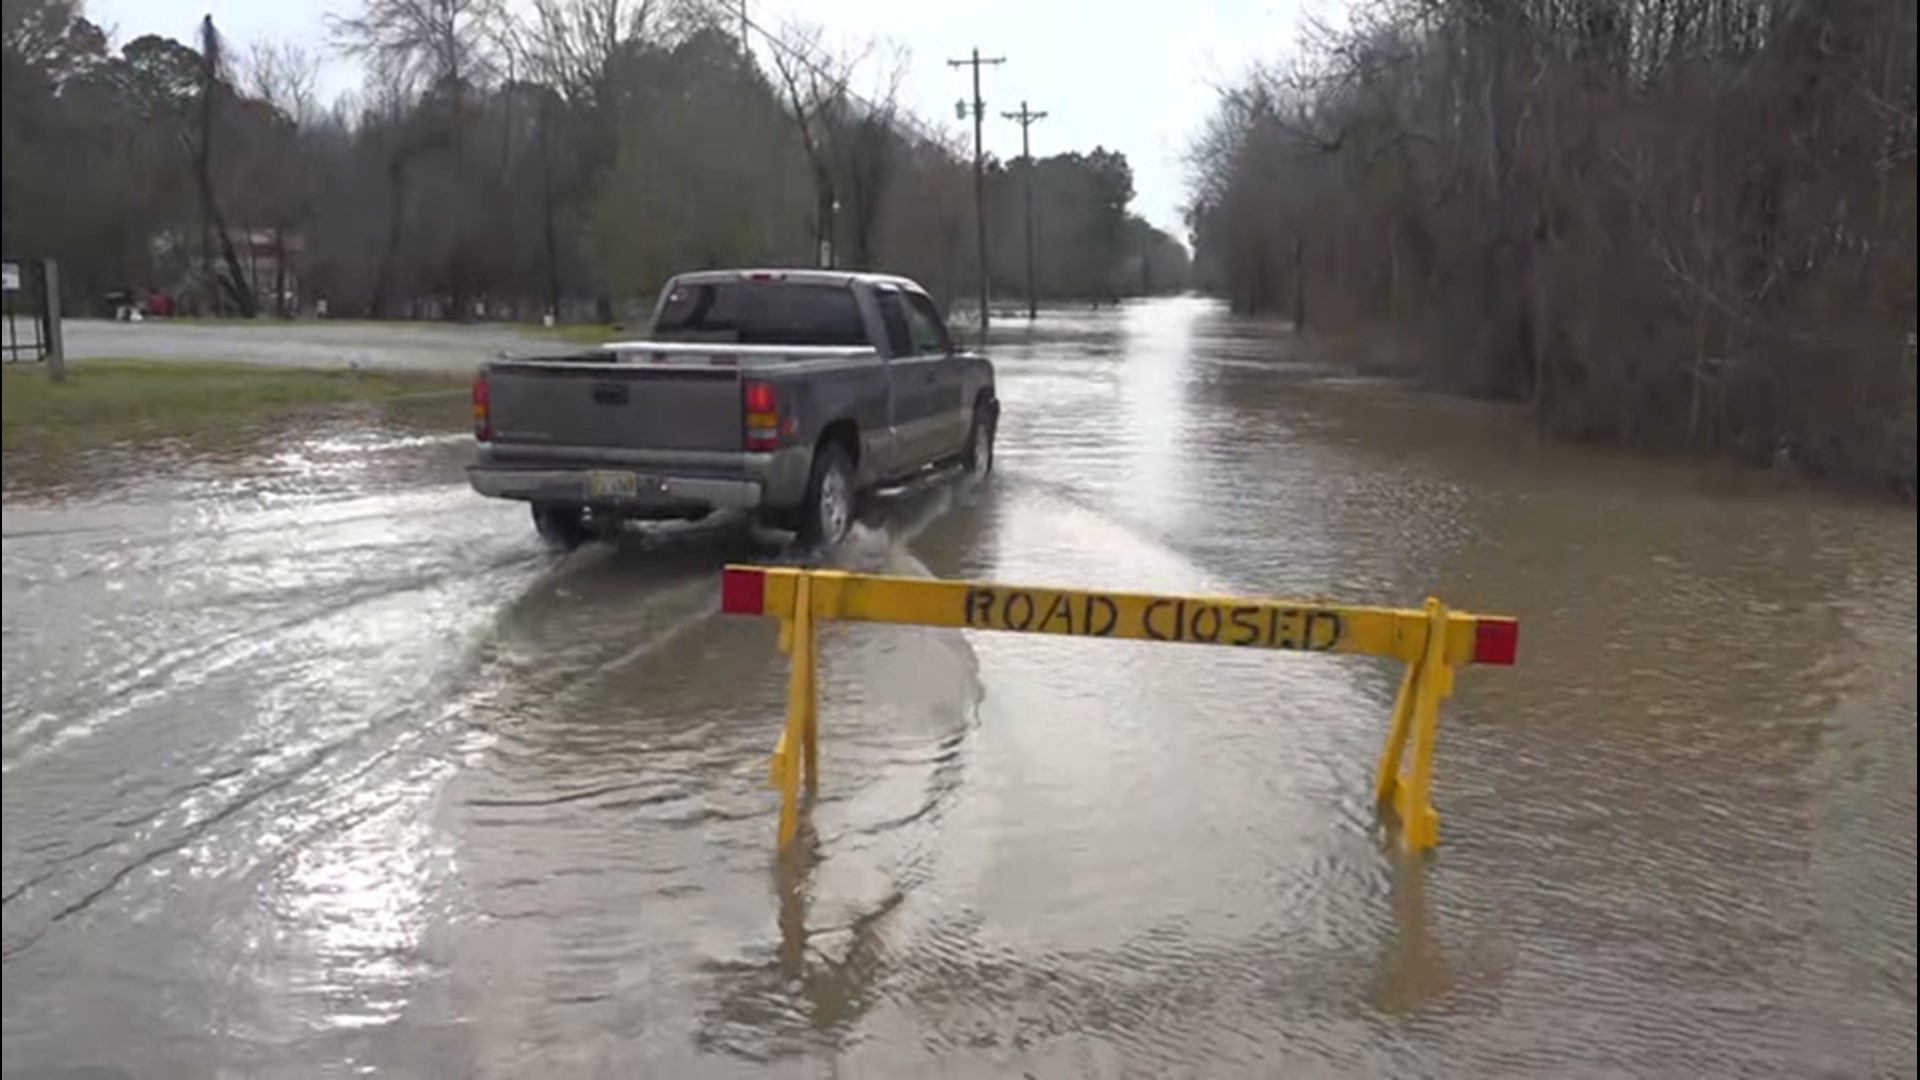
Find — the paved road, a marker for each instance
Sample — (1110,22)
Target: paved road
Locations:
(400,346)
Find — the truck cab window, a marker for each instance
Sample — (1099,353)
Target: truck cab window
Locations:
(929,330)
(761,313)
(893,314)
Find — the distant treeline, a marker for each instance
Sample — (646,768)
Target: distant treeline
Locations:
(1673,223)
(560,157)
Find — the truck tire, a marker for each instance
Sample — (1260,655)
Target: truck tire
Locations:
(827,513)
(563,527)
(978,456)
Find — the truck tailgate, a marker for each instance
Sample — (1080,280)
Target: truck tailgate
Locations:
(615,405)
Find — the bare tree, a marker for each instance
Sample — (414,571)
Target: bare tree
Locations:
(816,83)
(213,86)
(870,145)
(573,44)
(444,50)
(1663,222)
(423,45)
(285,75)
(575,47)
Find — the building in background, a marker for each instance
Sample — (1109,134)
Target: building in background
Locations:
(269,270)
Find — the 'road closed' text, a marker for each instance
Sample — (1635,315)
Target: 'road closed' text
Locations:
(1202,622)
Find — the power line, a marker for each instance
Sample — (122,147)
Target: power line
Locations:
(1027,118)
(979,177)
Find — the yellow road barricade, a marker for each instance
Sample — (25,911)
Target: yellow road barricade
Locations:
(1431,642)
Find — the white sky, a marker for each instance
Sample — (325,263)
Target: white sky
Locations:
(1140,83)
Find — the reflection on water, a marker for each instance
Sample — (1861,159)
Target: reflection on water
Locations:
(1413,968)
(340,446)
(311,756)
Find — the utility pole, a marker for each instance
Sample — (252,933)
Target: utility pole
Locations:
(979,177)
(1027,117)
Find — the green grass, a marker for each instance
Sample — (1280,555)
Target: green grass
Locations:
(114,401)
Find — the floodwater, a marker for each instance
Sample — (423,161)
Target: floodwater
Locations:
(315,763)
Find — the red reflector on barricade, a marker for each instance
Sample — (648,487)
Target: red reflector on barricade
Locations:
(743,592)
(1496,641)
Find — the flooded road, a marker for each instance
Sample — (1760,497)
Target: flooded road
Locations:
(317,763)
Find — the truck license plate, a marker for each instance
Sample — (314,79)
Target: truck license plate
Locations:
(612,485)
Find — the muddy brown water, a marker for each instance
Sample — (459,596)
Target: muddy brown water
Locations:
(315,763)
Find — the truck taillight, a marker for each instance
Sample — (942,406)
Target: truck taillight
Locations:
(482,413)
(762,415)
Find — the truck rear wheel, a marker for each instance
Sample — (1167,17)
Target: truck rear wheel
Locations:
(828,512)
(563,527)
(978,457)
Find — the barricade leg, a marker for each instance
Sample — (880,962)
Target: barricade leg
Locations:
(806,657)
(1386,780)
(796,744)
(1406,785)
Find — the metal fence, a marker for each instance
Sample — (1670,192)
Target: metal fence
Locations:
(26,330)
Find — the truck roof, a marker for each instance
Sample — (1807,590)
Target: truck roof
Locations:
(797,275)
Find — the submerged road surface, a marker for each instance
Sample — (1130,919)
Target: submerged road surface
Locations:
(317,763)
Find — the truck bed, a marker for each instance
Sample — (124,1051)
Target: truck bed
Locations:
(636,395)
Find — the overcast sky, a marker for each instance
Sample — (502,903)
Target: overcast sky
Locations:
(1139,83)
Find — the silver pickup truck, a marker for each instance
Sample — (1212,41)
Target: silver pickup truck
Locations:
(786,393)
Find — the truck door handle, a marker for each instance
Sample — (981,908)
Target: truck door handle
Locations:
(610,394)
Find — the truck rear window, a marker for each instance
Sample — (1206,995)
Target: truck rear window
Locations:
(761,313)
